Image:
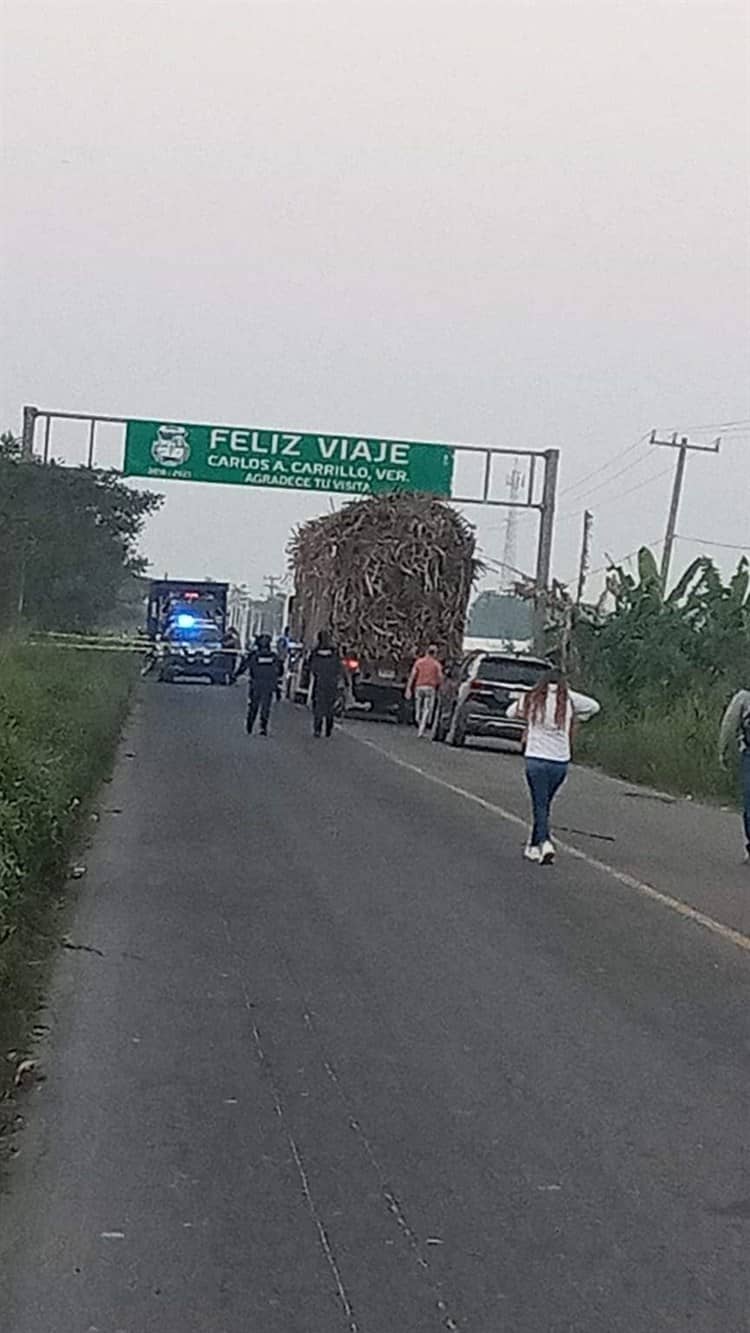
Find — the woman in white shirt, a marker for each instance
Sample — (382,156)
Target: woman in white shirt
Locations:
(548,710)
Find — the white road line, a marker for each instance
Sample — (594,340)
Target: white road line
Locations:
(621,876)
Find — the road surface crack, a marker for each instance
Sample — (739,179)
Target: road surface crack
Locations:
(323,1237)
(81,948)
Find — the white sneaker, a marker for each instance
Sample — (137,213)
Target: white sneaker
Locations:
(547,853)
(532,853)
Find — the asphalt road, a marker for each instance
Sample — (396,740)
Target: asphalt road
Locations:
(342,1060)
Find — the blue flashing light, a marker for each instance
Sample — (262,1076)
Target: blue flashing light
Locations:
(185,621)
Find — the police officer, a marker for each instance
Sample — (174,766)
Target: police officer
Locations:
(262,666)
(325,669)
(231,643)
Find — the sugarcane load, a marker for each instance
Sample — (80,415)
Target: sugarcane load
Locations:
(386,576)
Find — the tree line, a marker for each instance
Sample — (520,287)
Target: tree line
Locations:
(68,543)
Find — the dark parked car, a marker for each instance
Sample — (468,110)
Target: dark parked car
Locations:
(475,699)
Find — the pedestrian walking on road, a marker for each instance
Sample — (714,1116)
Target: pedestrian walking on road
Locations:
(423,684)
(735,732)
(262,666)
(549,711)
(325,669)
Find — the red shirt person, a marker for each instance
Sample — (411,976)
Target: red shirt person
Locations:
(425,679)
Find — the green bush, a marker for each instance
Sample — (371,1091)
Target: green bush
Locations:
(664,668)
(60,715)
(672,747)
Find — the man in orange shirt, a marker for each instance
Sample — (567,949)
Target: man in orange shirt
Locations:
(424,682)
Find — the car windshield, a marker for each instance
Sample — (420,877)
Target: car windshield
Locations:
(509,671)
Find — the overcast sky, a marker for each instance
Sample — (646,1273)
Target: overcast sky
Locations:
(525,225)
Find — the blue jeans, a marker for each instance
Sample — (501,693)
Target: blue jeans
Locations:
(544,777)
(745,774)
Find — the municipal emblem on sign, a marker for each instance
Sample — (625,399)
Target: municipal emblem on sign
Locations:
(171,448)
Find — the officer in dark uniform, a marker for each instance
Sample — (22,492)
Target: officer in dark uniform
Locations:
(325,669)
(262,666)
(231,643)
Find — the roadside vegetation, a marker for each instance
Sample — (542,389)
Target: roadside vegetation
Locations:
(664,668)
(61,711)
(68,561)
(68,544)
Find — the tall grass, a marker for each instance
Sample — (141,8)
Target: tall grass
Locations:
(60,715)
(672,746)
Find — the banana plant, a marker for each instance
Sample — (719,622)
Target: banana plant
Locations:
(680,643)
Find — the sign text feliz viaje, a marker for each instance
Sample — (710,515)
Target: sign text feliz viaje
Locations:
(286,459)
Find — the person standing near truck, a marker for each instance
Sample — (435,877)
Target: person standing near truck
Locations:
(735,730)
(423,684)
(549,711)
(325,670)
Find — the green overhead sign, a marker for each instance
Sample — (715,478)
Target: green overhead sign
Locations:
(284,459)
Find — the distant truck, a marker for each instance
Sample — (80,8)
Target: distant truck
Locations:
(168,599)
(386,576)
(187,625)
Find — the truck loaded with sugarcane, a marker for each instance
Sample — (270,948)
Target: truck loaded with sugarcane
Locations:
(386,576)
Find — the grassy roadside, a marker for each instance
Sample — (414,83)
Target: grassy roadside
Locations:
(672,748)
(61,712)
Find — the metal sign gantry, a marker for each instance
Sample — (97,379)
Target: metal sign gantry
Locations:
(168,453)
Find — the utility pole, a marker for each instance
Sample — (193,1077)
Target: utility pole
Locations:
(274,596)
(682,445)
(583,563)
(27,437)
(544,549)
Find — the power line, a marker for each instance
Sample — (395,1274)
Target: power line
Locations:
(728,546)
(573,513)
(741,425)
(574,485)
(602,485)
(502,566)
(700,541)
(717,425)
(612,564)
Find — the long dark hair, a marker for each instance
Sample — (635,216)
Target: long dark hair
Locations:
(534,704)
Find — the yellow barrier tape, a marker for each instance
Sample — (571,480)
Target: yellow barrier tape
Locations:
(92,647)
(109,645)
